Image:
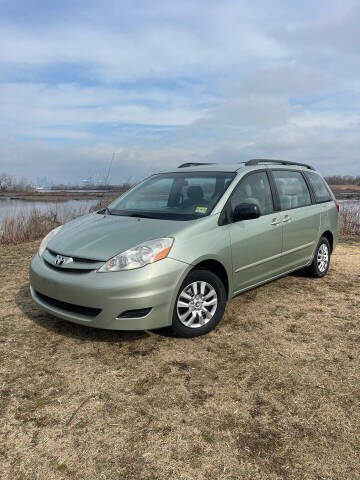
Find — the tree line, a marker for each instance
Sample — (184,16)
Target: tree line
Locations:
(343,180)
(9,183)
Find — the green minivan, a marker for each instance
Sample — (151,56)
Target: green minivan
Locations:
(175,247)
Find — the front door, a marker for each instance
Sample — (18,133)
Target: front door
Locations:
(255,244)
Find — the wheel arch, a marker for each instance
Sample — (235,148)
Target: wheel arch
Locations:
(217,268)
(330,238)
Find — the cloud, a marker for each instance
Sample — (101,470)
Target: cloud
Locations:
(151,50)
(292,78)
(29,108)
(165,82)
(339,33)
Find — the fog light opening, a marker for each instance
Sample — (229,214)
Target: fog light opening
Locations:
(138,313)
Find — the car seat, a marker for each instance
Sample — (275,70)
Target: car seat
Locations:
(249,196)
(195,196)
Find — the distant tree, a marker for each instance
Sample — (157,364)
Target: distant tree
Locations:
(343,180)
(6,182)
(11,184)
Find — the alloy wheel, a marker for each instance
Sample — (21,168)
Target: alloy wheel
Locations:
(197,304)
(323,257)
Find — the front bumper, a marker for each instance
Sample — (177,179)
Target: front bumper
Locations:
(154,286)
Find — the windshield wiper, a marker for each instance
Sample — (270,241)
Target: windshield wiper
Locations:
(125,213)
(139,215)
(106,209)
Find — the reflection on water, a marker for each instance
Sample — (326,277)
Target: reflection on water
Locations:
(10,208)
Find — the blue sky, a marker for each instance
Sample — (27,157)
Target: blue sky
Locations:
(161,83)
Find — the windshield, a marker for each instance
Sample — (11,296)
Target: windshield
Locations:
(173,196)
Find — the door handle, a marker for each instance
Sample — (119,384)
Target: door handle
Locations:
(275,222)
(286,219)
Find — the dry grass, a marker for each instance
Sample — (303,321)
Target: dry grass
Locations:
(102,203)
(349,220)
(28,225)
(272,394)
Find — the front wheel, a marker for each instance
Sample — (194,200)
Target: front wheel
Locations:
(199,305)
(321,261)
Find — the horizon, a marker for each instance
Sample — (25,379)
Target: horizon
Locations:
(164,84)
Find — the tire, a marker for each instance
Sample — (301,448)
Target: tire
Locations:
(321,262)
(199,305)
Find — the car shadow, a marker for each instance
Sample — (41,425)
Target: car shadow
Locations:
(302,273)
(67,329)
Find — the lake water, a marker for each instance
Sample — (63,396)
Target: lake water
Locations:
(10,208)
(353,204)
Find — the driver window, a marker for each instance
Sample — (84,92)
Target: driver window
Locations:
(254,188)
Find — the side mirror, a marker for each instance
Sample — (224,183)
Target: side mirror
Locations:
(245,211)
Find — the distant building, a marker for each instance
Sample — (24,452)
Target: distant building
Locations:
(94,180)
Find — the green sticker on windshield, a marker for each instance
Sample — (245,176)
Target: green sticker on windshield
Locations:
(200,209)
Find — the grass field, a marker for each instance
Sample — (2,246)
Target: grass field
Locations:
(273,393)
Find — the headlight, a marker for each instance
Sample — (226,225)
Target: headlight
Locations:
(47,239)
(148,252)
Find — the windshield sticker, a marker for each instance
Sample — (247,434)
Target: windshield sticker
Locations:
(200,209)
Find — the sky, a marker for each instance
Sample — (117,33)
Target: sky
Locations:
(162,83)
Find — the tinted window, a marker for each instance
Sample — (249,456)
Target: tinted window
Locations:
(319,186)
(292,189)
(254,188)
(177,196)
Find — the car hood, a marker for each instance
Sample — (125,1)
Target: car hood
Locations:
(100,237)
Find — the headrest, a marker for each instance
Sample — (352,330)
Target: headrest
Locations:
(291,189)
(195,193)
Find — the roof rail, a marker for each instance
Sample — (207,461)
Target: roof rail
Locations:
(256,161)
(193,164)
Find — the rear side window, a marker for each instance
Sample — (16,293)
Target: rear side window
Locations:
(319,186)
(292,189)
(254,188)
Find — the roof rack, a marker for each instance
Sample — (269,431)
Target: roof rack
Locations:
(256,161)
(193,164)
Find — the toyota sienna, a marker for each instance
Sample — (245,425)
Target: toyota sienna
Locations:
(174,248)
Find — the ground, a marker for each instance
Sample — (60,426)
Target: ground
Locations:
(273,393)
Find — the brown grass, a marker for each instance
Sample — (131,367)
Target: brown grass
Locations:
(28,225)
(272,394)
(102,203)
(349,221)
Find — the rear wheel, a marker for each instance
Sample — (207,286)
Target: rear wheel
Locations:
(199,305)
(321,261)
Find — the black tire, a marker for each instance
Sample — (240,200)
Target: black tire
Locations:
(317,270)
(212,280)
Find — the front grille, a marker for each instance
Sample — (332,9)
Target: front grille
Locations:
(67,270)
(76,259)
(70,307)
(78,265)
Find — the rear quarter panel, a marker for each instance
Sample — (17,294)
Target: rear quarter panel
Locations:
(330,220)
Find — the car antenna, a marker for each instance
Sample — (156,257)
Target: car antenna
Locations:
(110,165)
(107,179)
